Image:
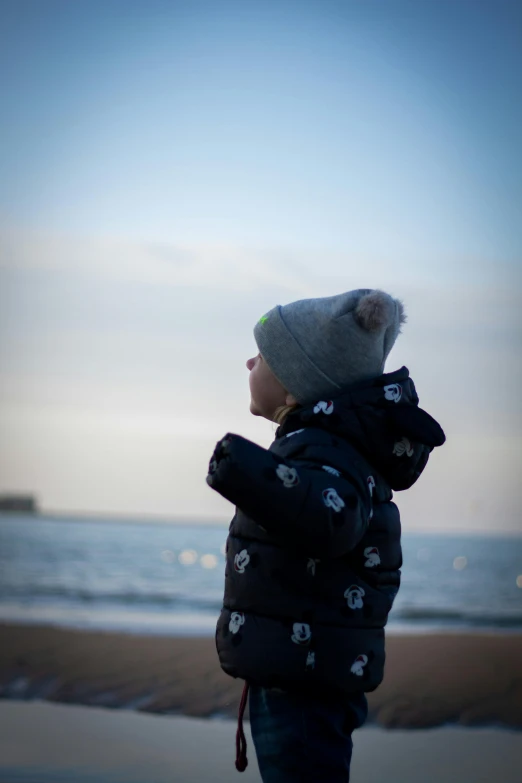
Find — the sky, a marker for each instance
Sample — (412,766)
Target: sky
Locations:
(170,171)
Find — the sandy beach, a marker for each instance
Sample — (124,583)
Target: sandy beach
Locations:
(74,704)
(57,743)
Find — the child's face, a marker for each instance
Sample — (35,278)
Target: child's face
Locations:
(266,393)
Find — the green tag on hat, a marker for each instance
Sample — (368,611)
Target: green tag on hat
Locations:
(263,319)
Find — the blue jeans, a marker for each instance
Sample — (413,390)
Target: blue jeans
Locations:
(301,738)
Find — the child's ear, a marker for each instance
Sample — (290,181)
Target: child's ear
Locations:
(290,399)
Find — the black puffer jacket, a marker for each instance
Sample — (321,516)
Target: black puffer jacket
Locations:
(313,553)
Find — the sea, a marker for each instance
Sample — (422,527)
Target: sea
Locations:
(157,578)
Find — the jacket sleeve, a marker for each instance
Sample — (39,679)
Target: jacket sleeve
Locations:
(325,513)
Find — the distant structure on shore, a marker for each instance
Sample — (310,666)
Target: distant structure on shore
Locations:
(12,502)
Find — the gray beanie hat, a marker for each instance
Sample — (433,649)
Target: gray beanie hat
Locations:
(317,347)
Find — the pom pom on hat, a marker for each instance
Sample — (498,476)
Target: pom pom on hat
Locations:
(376,310)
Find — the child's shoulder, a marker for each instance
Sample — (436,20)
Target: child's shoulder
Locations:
(319,448)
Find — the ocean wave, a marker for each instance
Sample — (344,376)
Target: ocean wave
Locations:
(444,615)
(124,597)
(177,600)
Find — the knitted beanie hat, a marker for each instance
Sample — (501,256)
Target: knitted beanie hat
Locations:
(317,347)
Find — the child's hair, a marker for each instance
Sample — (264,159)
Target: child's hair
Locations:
(282,412)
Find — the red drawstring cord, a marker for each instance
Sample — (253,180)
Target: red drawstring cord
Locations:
(241,745)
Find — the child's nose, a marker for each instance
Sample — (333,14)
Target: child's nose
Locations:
(250,364)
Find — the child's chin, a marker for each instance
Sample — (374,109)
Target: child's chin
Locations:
(254,410)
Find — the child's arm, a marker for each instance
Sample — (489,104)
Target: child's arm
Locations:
(325,513)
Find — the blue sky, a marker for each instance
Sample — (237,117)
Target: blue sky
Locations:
(170,170)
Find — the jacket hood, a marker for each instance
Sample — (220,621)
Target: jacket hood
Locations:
(381,418)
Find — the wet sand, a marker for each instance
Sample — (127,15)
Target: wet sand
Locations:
(430,680)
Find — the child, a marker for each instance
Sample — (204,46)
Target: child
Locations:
(313,553)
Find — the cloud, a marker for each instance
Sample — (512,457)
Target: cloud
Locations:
(300,272)
(108,313)
(150,263)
